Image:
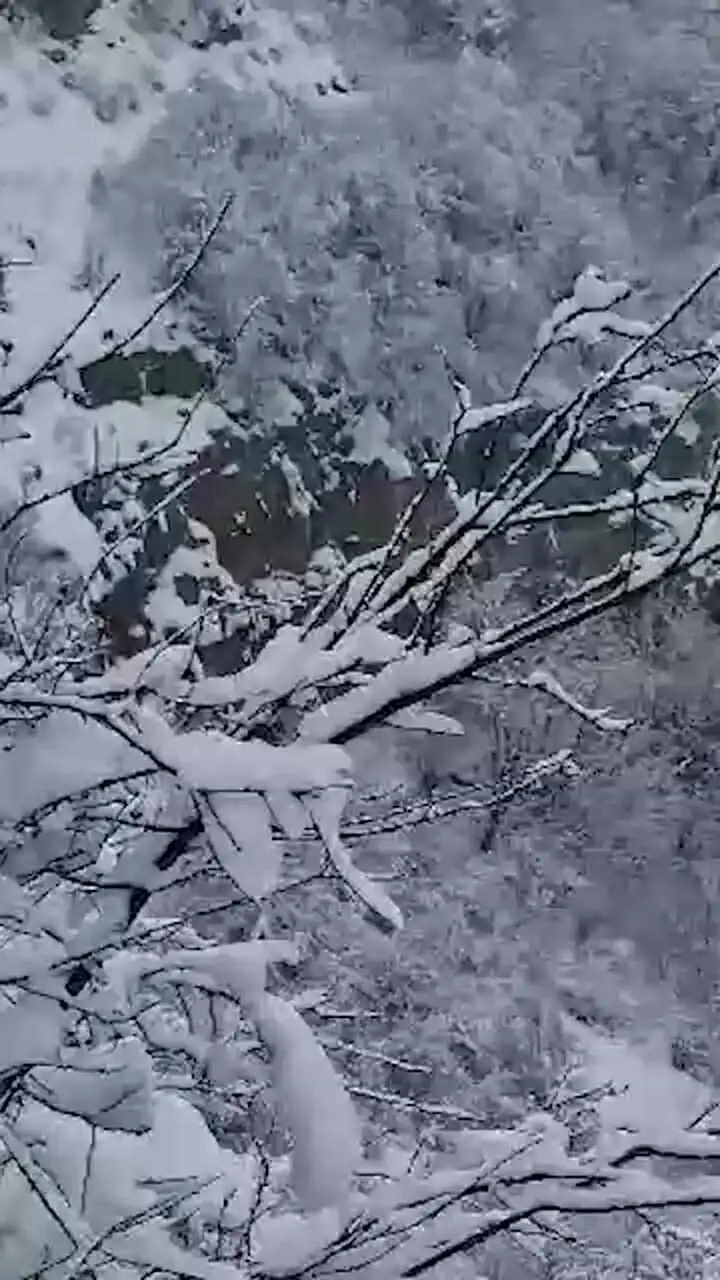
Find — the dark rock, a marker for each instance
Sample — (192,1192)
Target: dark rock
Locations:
(62,19)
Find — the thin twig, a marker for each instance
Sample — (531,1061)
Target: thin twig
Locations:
(178,285)
(49,362)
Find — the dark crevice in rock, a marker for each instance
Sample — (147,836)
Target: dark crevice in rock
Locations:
(62,19)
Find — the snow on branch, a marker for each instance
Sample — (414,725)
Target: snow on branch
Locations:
(120,777)
(420,1220)
(587,314)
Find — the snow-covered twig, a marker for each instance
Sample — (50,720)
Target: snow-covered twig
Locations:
(48,365)
(178,285)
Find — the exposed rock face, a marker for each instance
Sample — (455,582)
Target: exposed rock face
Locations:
(63,19)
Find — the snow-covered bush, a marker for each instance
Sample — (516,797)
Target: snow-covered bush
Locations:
(166,1108)
(372,212)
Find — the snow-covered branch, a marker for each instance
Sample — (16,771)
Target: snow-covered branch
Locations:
(121,777)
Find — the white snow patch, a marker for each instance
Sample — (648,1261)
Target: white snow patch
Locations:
(408,676)
(52,142)
(487,415)
(669,402)
(209,761)
(582,463)
(302,502)
(314,1107)
(238,829)
(129,430)
(372,444)
(280,407)
(66,756)
(650,1095)
(427,722)
(129,1173)
(54,139)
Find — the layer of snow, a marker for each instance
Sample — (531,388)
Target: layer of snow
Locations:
(210,761)
(302,502)
(67,756)
(669,402)
(63,121)
(651,1097)
(582,463)
(313,1105)
(128,1174)
(372,444)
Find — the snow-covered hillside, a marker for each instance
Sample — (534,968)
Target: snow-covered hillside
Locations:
(252,259)
(387,200)
(398,184)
